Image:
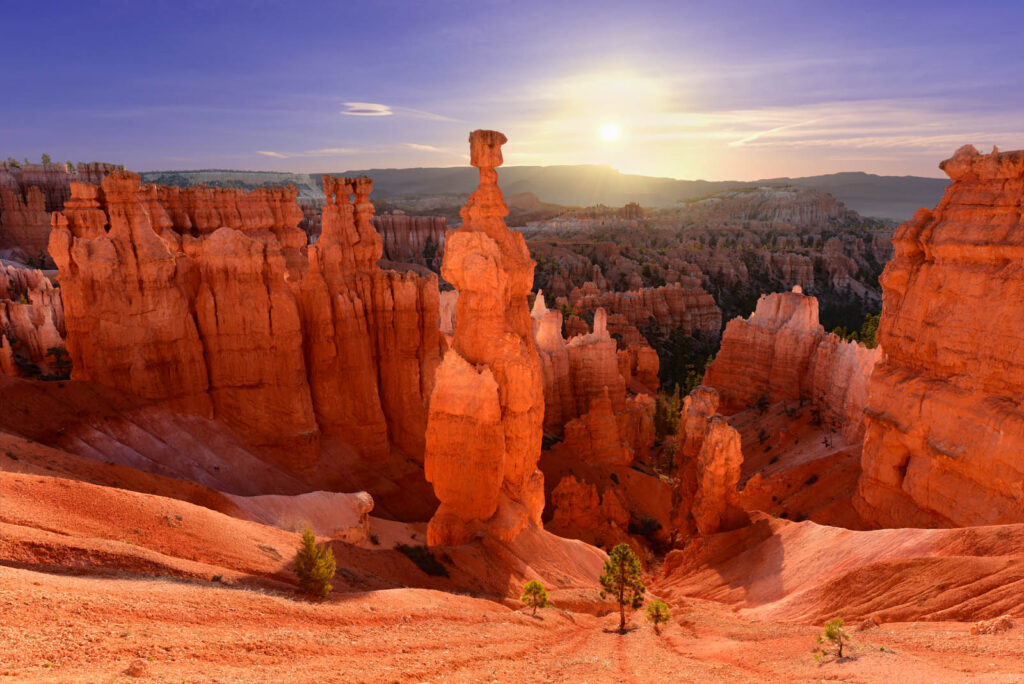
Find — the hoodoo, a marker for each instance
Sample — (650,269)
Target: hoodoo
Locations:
(210,300)
(487,408)
(945,428)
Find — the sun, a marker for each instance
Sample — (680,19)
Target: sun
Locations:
(609,132)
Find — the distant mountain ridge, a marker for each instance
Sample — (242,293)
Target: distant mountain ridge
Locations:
(889,197)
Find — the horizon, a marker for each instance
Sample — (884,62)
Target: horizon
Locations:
(939,176)
(682,91)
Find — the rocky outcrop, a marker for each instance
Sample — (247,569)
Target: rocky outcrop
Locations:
(681,306)
(209,299)
(581,512)
(708,463)
(781,352)
(945,425)
(29,193)
(412,239)
(484,431)
(31,322)
(585,382)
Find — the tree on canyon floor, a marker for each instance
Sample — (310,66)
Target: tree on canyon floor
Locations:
(314,565)
(658,614)
(621,581)
(834,634)
(534,595)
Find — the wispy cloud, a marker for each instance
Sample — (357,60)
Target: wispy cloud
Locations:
(376,109)
(366,109)
(322,152)
(759,134)
(424,148)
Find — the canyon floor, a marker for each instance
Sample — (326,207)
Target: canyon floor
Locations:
(101,584)
(92,629)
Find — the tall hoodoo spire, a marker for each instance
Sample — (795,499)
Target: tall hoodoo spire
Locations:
(487,408)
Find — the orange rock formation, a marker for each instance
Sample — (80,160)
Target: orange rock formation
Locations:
(945,427)
(415,239)
(708,461)
(210,300)
(487,408)
(782,352)
(28,194)
(31,318)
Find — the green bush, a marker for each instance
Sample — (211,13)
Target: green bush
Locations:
(621,581)
(314,566)
(835,634)
(534,595)
(658,614)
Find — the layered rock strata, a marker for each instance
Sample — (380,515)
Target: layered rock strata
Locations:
(484,431)
(945,421)
(30,192)
(781,352)
(682,306)
(210,300)
(412,239)
(31,321)
(709,459)
(585,398)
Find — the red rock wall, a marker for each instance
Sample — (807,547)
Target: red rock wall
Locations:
(210,300)
(782,352)
(31,318)
(29,193)
(680,306)
(412,239)
(945,427)
(708,462)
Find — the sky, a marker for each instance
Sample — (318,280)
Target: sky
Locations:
(715,90)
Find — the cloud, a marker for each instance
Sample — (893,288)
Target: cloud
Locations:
(424,148)
(366,109)
(375,109)
(322,152)
(778,129)
(327,152)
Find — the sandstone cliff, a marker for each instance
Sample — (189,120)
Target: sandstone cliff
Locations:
(708,464)
(487,408)
(945,426)
(210,300)
(29,193)
(31,321)
(782,352)
(412,239)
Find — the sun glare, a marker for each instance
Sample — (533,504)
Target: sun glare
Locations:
(609,132)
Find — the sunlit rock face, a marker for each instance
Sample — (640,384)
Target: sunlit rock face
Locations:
(781,352)
(31,321)
(29,193)
(945,427)
(487,409)
(708,462)
(210,300)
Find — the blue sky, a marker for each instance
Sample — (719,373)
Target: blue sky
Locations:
(709,90)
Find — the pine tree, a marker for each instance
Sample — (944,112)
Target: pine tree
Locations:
(621,581)
(658,614)
(534,595)
(314,565)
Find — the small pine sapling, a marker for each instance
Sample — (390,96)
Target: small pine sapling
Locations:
(658,614)
(534,595)
(835,634)
(621,581)
(314,565)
